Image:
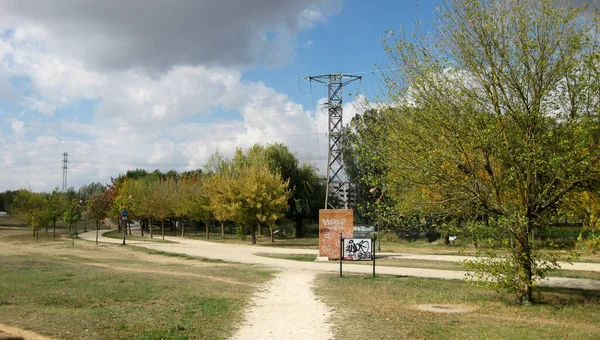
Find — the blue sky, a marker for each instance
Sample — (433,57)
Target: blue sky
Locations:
(165,85)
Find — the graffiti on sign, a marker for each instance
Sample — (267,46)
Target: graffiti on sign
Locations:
(357,249)
(332,224)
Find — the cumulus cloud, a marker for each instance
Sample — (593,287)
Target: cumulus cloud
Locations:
(155,77)
(156,35)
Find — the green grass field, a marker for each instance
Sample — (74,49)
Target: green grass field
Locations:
(115,292)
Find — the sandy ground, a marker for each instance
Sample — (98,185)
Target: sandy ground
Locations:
(13,333)
(286,308)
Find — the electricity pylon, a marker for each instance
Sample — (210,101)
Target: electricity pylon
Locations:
(337,183)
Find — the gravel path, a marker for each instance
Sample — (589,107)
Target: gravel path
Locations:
(286,308)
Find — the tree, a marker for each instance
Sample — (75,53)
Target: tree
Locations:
(162,200)
(89,190)
(31,207)
(6,200)
(496,120)
(54,208)
(367,170)
(71,216)
(223,202)
(98,207)
(246,190)
(307,190)
(264,197)
(191,200)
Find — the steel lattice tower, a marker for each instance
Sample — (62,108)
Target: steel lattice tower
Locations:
(336,181)
(65,167)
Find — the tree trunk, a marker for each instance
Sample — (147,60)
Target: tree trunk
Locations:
(272,236)
(182,229)
(253,233)
(150,225)
(36,233)
(54,232)
(162,228)
(299,227)
(525,265)
(207,230)
(97,231)
(259,229)
(222,229)
(142,225)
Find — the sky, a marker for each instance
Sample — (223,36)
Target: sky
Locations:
(155,84)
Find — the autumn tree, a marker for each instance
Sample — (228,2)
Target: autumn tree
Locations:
(98,207)
(495,120)
(191,201)
(247,191)
(223,202)
(264,196)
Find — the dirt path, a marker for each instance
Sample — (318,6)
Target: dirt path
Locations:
(287,308)
(14,333)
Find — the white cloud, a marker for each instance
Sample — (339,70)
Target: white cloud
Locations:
(159,89)
(17,125)
(163,34)
(39,105)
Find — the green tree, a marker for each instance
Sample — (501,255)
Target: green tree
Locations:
(367,170)
(192,202)
(163,201)
(496,119)
(98,207)
(71,216)
(307,190)
(54,208)
(32,208)
(88,190)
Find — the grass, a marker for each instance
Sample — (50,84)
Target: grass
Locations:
(265,240)
(116,234)
(294,257)
(11,221)
(183,256)
(387,308)
(114,292)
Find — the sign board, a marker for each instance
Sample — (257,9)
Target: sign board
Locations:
(358,249)
(124,213)
(363,231)
(332,224)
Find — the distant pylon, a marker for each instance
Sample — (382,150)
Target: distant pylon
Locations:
(65,168)
(337,183)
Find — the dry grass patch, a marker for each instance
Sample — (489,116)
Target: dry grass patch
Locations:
(112,291)
(387,308)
